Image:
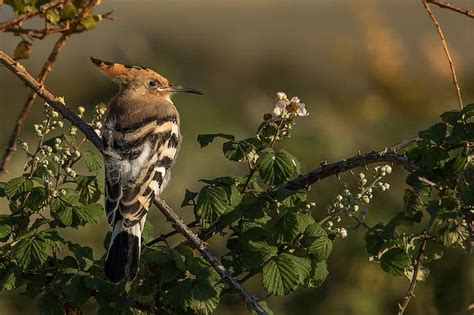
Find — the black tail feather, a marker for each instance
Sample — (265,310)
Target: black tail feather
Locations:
(122,258)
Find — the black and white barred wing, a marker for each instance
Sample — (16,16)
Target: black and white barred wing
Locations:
(132,184)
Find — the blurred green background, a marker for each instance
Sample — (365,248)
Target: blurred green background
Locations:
(371,73)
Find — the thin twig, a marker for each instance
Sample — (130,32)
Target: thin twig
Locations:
(20,18)
(164,237)
(88,131)
(25,111)
(411,288)
(446,50)
(449,6)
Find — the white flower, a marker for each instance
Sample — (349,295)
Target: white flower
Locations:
(301,111)
(81,110)
(343,232)
(281,96)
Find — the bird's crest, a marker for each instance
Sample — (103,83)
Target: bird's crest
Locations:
(125,73)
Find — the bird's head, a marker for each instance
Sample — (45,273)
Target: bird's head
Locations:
(142,81)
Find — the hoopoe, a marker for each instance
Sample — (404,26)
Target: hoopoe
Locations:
(141,138)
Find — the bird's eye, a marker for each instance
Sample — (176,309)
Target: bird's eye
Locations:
(152,84)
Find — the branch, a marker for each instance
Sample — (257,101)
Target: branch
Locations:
(88,131)
(201,246)
(416,270)
(326,170)
(446,5)
(42,9)
(446,50)
(48,97)
(25,111)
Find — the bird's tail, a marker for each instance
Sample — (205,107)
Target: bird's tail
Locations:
(123,254)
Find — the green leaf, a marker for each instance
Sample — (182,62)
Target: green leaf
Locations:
(49,304)
(83,255)
(75,291)
(433,251)
(282,275)
(468,195)
(434,157)
(275,167)
(31,253)
(147,234)
(68,11)
(317,242)
(35,198)
(5,231)
(422,275)
(435,133)
(17,186)
(52,16)
(188,197)
(88,22)
(91,213)
(89,188)
(257,253)
(92,161)
(211,203)
(35,286)
(319,273)
(205,139)
(451,117)
(395,261)
(286,228)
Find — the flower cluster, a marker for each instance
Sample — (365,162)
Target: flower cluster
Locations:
(355,205)
(285,107)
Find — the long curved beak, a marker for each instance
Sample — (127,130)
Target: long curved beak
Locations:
(182,89)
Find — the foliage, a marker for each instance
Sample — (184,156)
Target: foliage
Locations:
(269,230)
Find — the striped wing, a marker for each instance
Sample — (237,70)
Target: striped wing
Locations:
(138,160)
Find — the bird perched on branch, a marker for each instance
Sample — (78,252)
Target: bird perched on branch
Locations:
(141,138)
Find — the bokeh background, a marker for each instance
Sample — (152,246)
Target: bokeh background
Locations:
(372,73)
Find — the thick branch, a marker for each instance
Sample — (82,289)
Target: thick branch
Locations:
(446,50)
(449,6)
(25,111)
(49,98)
(416,270)
(178,224)
(326,170)
(19,19)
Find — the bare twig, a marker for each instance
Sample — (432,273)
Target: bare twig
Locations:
(88,131)
(446,50)
(449,6)
(42,9)
(25,111)
(411,288)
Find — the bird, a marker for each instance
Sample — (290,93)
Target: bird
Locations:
(141,139)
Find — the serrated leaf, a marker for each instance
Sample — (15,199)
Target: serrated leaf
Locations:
(31,253)
(282,275)
(319,273)
(147,234)
(17,186)
(205,139)
(321,248)
(75,291)
(83,255)
(286,228)
(275,167)
(256,253)
(435,133)
(92,161)
(433,251)
(395,261)
(211,203)
(5,231)
(91,213)
(434,157)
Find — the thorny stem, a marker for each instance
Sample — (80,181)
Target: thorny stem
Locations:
(449,6)
(446,50)
(411,288)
